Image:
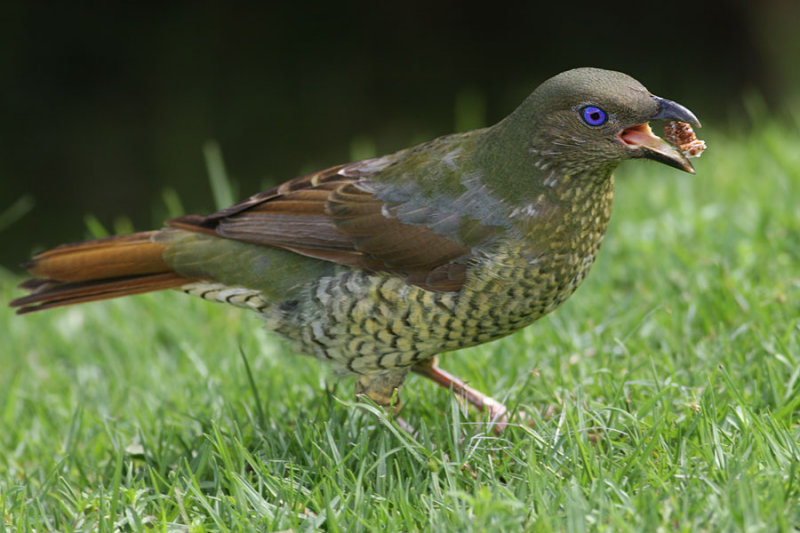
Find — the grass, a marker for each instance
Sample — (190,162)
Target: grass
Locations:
(663,395)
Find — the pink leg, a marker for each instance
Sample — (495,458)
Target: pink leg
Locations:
(497,411)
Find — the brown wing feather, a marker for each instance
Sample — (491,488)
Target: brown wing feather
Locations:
(359,215)
(327,216)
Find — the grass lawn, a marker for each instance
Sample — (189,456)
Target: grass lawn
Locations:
(664,394)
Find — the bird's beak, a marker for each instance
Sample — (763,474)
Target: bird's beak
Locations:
(640,136)
(669,110)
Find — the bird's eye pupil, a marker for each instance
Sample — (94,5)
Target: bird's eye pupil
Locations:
(594,116)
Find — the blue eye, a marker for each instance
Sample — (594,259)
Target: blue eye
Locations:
(594,116)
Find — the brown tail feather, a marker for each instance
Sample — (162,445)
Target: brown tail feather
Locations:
(96,270)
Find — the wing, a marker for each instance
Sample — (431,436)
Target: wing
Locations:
(335,215)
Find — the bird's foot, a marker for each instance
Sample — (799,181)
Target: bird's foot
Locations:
(498,413)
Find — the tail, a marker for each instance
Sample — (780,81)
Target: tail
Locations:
(96,270)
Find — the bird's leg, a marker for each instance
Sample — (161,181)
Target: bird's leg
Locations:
(383,388)
(497,411)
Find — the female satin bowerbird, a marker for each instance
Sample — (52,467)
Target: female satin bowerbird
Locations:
(379,265)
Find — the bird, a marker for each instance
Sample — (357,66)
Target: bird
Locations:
(379,266)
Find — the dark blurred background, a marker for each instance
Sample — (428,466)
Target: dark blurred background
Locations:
(105,107)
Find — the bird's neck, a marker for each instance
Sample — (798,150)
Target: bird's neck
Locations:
(573,210)
(524,173)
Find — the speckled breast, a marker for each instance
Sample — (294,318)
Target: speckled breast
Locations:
(367,323)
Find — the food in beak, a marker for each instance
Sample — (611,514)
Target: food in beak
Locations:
(682,135)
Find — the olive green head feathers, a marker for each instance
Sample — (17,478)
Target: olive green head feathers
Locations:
(587,119)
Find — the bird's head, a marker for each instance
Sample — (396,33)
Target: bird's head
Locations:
(587,118)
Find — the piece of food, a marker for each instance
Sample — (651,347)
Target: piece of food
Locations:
(682,135)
